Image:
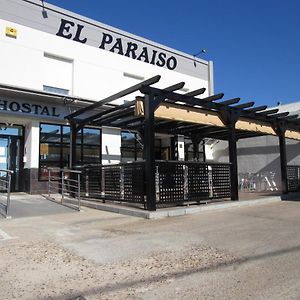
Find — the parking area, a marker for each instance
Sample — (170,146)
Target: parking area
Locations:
(239,253)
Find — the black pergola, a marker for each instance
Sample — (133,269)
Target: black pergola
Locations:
(105,113)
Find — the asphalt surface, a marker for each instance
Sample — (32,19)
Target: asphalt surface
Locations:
(240,253)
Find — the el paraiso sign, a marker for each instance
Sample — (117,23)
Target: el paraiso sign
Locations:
(70,30)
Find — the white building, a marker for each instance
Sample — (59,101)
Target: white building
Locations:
(53,61)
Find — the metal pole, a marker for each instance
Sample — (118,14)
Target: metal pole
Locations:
(62,186)
(8,195)
(49,182)
(79,200)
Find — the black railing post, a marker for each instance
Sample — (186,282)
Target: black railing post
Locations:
(149,138)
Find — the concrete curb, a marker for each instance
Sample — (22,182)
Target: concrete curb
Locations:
(179,211)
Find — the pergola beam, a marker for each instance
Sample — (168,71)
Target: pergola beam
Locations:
(96,117)
(289,117)
(115,116)
(268,112)
(244,105)
(212,98)
(230,101)
(257,109)
(116,96)
(195,92)
(283,114)
(129,121)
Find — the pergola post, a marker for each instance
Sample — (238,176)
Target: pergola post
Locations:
(149,147)
(73,136)
(283,163)
(280,129)
(230,118)
(233,162)
(196,139)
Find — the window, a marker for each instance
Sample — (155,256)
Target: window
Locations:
(55,90)
(55,147)
(57,75)
(131,146)
(189,150)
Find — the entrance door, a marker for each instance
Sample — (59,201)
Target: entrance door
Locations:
(11,158)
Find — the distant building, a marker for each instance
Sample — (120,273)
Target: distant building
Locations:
(258,157)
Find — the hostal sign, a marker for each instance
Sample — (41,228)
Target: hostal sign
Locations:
(28,108)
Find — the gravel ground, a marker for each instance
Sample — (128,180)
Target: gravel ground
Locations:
(243,253)
(45,270)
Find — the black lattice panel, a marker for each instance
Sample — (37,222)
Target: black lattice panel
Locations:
(198,185)
(170,182)
(112,180)
(134,183)
(91,181)
(293,176)
(220,181)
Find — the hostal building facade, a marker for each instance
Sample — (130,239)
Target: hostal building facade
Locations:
(54,62)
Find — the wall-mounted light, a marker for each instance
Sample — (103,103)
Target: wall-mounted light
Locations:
(44,12)
(202,51)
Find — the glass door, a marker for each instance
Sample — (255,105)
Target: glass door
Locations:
(14,162)
(11,155)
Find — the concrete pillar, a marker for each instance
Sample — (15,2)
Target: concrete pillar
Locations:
(32,145)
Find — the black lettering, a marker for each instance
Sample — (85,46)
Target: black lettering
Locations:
(118,46)
(36,108)
(54,112)
(3,105)
(14,106)
(131,48)
(144,54)
(77,36)
(45,111)
(171,63)
(152,62)
(65,26)
(26,108)
(106,39)
(162,59)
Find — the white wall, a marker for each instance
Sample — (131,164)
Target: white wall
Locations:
(111,145)
(96,73)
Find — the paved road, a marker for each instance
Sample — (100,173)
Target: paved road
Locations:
(241,253)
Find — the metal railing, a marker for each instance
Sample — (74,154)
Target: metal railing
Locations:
(258,182)
(5,185)
(293,178)
(64,187)
(175,182)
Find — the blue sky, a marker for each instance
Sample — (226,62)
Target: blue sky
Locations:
(255,45)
